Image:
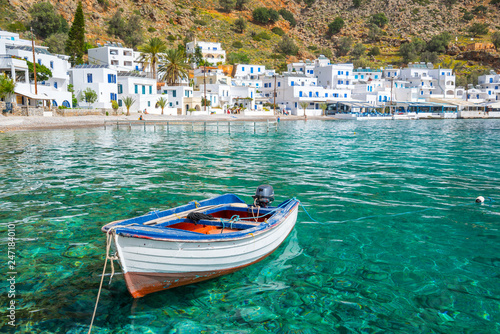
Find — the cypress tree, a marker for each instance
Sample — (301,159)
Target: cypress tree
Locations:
(75,45)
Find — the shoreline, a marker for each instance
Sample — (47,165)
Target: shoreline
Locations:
(35,123)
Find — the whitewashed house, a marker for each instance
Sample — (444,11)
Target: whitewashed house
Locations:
(211,51)
(444,83)
(116,56)
(99,78)
(54,89)
(490,84)
(417,76)
(180,98)
(143,90)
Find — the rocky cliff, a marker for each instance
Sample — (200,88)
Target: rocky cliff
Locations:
(161,18)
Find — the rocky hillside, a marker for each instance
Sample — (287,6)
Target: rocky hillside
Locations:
(177,20)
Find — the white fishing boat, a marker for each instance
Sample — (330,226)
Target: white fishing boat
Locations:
(200,240)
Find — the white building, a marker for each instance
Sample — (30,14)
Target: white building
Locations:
(100,78)
(116,57)
(211,51)
(180,98)
(292,89)
(490,84)
(143,90)
(55,88)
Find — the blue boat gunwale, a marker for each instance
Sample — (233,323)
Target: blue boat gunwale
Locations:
(139,230)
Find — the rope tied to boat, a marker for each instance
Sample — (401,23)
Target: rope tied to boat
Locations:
(109,238)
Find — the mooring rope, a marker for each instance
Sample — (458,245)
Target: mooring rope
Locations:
(109,239)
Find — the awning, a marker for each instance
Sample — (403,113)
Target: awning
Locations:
(32,95)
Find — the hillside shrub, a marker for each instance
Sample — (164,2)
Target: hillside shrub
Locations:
(286,15)
(278,31)
(356,3)
(439,43)
(358,50)
(495,39)
(336,26)
(379,19)
(287,46)
(238,58)
(237,45)
(240,4)
(151,29)
(478,29)
(309,3)
(467,16)
(227,5)
(240,25)
(200,22)
(261,36)
(374,51)
(344,46)
(274,16)
(260,15)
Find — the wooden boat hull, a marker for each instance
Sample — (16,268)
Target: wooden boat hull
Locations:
(151,265)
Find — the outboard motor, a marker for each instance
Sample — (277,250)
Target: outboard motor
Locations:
(264,196)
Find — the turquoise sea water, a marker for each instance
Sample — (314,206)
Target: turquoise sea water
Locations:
(401,247)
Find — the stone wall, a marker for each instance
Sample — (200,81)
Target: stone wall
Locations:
(84,112)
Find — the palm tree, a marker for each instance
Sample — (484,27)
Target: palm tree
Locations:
(304,106)
(162,102)
(128,101)
(7,86)
(175,68)
(323,107)
(151,53)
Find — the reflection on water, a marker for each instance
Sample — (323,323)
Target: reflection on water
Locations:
(401,247)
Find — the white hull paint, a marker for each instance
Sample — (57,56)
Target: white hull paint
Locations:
(205,259)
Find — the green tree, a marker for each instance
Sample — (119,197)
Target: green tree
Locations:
(344,46)
(151,53)
(335,26)
(323,107)
(133,34)
(278,31)
(274,16)
(495,39)
(175,67)
(56,42)
(478,29)
(439,43)
(287,46)
(260,15)
(358,50)
(227,5)
(411,51)
(240,25)
(45,20)
(429,57)
(115,106)
(285,14)
(43,73)
(379,20)
(374,51)
(75,45)
(374,33)
(304,106)
(7,86)
(116,25)
(356,3)
(74,100)
(238,58)
(128,101)
(162,102)
(130,32)
(240,4)
(89,96)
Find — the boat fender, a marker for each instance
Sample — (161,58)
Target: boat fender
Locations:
(480,199)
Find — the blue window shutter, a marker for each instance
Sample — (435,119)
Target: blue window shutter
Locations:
(136,89)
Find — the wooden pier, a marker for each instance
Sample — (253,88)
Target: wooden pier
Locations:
(227,126)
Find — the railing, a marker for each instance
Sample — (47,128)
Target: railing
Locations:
(214,125)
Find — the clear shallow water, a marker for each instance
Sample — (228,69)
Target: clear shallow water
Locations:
(401,248)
